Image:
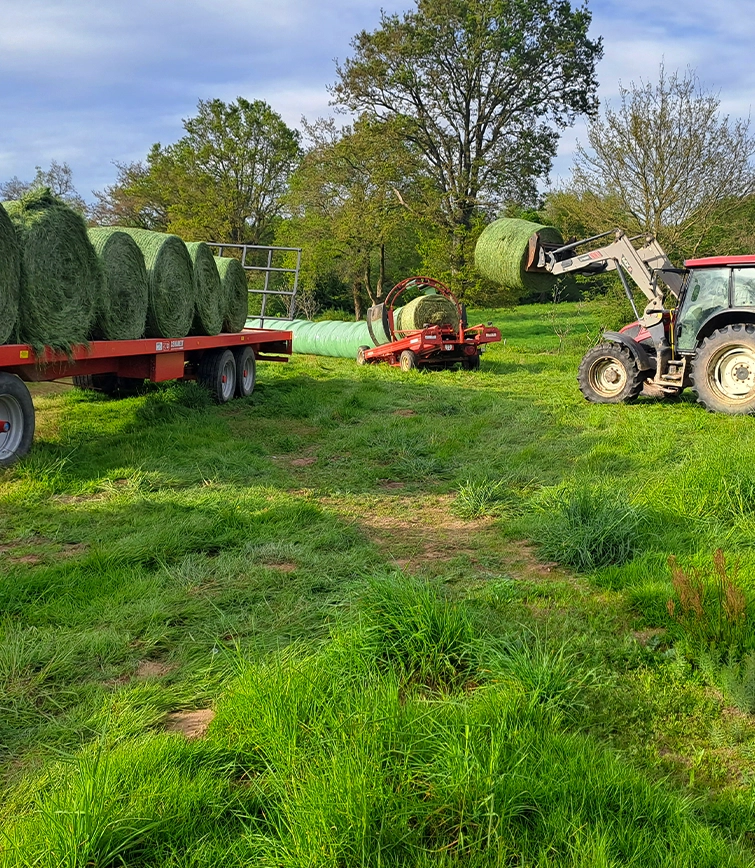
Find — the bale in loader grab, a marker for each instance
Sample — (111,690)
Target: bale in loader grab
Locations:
(705,341)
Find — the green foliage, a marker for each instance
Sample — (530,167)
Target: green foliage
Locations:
(466,83)
(642,155)
(222,181)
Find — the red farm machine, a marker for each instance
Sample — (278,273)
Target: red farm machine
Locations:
(436,347)
(705,339)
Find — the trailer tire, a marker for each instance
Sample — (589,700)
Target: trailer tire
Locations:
(471,363)
(246,371)
(17,413)
(723,370)
(608,374)
(407,360)
(217,373)
(361,360)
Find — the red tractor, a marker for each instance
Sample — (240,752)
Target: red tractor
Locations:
(706,341)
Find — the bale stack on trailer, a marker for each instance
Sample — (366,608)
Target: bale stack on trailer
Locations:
(10,276)
(61,276)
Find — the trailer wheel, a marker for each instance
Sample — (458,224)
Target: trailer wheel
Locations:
(217,373)
(361,360)
(608,374)
(16,419)
(246,371)
(408,360)
(723,370)
(471,363)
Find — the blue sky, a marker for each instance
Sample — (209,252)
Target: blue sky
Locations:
(90,82)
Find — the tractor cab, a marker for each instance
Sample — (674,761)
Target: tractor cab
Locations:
(716,292)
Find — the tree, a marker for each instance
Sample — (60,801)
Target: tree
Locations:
(59,179)
(224,180)
(345,207)
(666,160)
(480,88)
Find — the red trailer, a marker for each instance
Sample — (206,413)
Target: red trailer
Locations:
(225,364)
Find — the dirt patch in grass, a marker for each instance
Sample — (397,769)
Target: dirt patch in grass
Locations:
(153,669)
(38,549)
(402,412)
(415,532)
(284,568)
(190,724)
(303,462)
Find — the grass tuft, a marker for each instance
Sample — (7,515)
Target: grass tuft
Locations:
(588,528)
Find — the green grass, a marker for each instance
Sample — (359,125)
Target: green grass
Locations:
(428,610)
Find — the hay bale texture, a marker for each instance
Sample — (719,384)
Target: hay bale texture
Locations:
(10,277)
(501,254)
(209,300)
(122,308)
(235,291)
(61,277)
(170,308)
(426,310)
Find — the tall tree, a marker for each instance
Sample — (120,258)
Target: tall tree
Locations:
(346,205)
(224,180)
(59,179)
(480,88)
(667,160)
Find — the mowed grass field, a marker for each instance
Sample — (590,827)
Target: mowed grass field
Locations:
(368,618)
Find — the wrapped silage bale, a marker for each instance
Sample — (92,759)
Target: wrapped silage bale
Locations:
(170,310)
(10,277)
(431,309)
(209,299)
(501,254)
(235,291)
(122,307)
(61,277)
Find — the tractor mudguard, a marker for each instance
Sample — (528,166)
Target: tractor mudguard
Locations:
(721,318)
(640,354)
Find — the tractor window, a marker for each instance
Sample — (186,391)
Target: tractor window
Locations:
(707,293)
(744,287)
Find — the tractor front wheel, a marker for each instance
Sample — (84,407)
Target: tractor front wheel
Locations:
(723,370)
(609,374)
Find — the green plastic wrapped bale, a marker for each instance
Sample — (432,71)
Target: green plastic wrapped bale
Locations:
(426,310)
(122,306)
(170,310)
(61,277)
(235,291)
(326,338)
(10,277)
(501,254)
(209,301)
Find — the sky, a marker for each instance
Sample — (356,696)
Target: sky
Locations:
(97,82)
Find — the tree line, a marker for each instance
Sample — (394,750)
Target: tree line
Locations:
(455,111)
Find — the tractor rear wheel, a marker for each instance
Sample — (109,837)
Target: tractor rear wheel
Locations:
(608,374)
(723,370)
